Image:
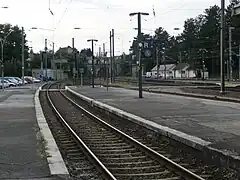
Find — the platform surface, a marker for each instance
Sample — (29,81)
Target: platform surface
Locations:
(214,121)
(21,154)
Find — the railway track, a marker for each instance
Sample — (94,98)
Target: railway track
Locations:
(79,166)
(198,86)
(53,85)
(114,154)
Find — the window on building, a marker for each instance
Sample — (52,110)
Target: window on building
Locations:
(183,72)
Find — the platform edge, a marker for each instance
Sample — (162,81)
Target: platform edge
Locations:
(189,140)
(55,161)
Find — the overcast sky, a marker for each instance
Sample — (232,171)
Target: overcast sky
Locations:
(96,18)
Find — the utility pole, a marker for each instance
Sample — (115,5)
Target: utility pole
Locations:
(229,64)
(113,57)
(180,61)
(238,61)
(157,58)
(165,68)
(46,59)
(2,64)
(139,50)
(22,55)
(203,67)
(93,70)
(53,44)
(222,47)
(104,60)
(100,64)
(74,61)
(111,73)
(42,73)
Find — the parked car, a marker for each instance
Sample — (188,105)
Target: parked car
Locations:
(32,79)
(11,79)
(11,84)
(4,83)
(20,80)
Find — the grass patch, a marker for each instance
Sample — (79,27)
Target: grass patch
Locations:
(41,144)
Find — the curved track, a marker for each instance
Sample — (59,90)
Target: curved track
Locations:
(115,154)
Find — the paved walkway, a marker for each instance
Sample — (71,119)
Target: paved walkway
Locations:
(214,121)
(20,152)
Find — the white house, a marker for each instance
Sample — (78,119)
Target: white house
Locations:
(164,71)
(183,70)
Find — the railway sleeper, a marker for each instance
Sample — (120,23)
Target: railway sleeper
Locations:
(161,174)
(138,170)
(132,164)
(118,155)
(126,158)
(105,141)
(121,144)
(100,138)
(93,147)
(114,150)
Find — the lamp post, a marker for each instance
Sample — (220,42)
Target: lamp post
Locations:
(93,70)
(229,63)
(236,12)
(75,58)
(3,41)
(139,51)
(45,49)
(222,47)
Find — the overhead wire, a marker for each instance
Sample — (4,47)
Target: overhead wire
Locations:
(64,12)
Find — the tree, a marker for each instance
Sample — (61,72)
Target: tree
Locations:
(13,49)
(190,38)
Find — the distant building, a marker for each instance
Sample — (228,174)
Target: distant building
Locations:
(180,70)
(166,70)
(183,70)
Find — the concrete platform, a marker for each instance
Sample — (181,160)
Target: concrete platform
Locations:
(200,123)
(20,151)
(55,161)
(21,145)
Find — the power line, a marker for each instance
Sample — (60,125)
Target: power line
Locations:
(64,12)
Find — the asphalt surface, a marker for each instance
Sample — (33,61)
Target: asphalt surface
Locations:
(214,121)
(20,152)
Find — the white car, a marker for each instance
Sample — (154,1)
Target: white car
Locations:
(12,79)
(5,84)
(20,80)
(10,84)
(33,79)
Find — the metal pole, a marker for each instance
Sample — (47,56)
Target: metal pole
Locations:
(22,56)
(111,73)
(93,65)
(107,73)
(53,59)
(74,61)
(165,68)
(222,47)
(113,58)
(229,69)
(46,59)
(239,62)
(139,57)
(81,79)
(180,60)
(203,65)
(32,77)
(104,58)
(2,64)
(100,76)
(42,66)
(157,58)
